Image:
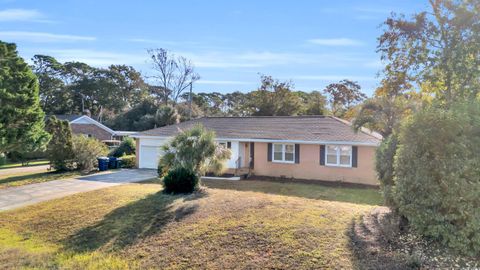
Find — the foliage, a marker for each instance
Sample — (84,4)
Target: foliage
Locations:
(384,160)
(63,86)
(274,98)
(128,161)
(166,115)
(383,114)
(437,50)
(184,114)
(174,74)
(127,147)
(180,180)
(60,150)
(146,115)
(343,96)
(86,152)
(21,117)
(196,150)
(3,159)
(314,103)
(437,174)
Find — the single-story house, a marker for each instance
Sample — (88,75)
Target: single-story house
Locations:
(84,124)
(300,147)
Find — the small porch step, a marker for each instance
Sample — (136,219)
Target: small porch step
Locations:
(242,171)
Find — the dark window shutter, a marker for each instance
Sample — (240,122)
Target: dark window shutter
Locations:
(229,145)
(269,152)
(322,155)
(354,156)
(297,153)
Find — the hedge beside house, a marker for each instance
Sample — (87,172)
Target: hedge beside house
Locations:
(437,175)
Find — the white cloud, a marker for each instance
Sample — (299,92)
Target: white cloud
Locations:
(220,82)
(335,42)
(334,77)
(41,37)
(374,10)
(99,58)
(258,59)
(92,57)
(28,15)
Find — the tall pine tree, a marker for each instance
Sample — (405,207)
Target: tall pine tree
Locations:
(21,117)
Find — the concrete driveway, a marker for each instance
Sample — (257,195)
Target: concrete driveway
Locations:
(15,197)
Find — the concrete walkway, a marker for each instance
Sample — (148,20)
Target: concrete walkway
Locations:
(15,197)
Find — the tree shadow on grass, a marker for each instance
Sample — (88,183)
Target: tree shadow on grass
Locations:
(369,238)
(125,225)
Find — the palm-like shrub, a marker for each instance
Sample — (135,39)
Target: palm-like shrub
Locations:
(180,180)
(195,150)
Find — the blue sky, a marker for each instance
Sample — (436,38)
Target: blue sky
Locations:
(312,43)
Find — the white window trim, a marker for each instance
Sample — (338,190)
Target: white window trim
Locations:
(337,164)
(283,153)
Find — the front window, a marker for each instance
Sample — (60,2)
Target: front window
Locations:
(339,155)
(283,152)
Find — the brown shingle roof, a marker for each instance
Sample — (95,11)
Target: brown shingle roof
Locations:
(295,128)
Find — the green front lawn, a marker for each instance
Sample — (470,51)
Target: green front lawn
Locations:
(366,195)
(137,226)
(20,179)
(19,164)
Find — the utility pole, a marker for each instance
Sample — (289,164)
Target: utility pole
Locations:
(190,103)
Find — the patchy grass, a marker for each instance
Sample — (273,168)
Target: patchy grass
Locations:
(370,196)
(137,226)
(19,164)
(20,179)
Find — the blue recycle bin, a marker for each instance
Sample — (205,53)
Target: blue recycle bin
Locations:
(112,162)
(103,163)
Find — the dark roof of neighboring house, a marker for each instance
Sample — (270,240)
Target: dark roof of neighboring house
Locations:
(68,117)
(294,128)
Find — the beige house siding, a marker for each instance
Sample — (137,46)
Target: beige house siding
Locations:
(94,130)
(310,168)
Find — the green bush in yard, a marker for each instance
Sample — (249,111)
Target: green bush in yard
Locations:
(127,147)
(3,159)
(60,151)
(180,180)
(437,174)
(128,161)
(86,152)
(385,155)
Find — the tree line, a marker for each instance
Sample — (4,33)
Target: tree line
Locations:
(121,97)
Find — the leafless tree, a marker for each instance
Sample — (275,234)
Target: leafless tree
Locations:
(174,74)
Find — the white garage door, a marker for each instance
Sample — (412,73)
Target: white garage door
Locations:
(149,156)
